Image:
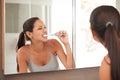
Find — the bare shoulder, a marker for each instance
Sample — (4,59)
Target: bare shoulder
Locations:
(107,59)
(22,52)
(54,45)
(53,42)
(104,71)
(105,62)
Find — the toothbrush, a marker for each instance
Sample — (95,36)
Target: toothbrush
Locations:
(46,35)
(52,34)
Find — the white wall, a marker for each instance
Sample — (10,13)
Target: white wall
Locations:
(118,4)
(61,19)
(10,53)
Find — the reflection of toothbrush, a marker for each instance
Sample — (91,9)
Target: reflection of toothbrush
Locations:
(52,34)
(46,35)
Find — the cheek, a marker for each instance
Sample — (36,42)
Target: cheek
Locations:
(36,35)
(39,36)
(37,32)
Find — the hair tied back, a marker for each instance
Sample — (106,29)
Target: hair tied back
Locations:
(109,23)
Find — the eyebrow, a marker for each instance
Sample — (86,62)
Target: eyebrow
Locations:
(40,26)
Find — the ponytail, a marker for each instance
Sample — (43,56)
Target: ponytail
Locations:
(21,41)
(113,46)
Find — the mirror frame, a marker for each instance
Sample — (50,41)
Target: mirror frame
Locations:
(34,75)
(1,39)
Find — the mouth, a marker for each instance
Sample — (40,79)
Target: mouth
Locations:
(45,35)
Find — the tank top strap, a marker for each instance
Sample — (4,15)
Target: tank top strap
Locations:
(28,53)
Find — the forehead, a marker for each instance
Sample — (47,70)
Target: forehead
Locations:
(38,23)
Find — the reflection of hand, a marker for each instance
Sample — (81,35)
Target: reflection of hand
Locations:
(63,36)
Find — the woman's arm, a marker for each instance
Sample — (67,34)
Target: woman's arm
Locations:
(22,61)
(70,59)
(66,58)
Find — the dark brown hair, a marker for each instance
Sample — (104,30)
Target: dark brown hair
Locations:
(105,21)
(27,26)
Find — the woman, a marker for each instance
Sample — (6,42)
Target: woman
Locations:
(41,54)
(105,27)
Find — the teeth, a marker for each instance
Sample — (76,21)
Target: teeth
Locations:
(45,35)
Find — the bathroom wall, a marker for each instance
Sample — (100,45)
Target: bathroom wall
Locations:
(118,4)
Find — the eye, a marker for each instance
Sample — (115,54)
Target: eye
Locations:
(39,28)
(45,27)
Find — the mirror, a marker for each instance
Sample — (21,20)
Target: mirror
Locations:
(50,12)
(70,15)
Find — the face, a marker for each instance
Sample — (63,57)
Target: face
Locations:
(39,30)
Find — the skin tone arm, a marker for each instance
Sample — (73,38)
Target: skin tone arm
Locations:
(104,71)
(70,60)
(22,61)
(67,59)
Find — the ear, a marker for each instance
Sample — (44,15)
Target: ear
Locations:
(95,35)
(29,34)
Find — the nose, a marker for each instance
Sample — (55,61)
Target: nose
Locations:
(44,30)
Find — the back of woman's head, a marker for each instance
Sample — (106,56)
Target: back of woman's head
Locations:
(101,17)
(105,21)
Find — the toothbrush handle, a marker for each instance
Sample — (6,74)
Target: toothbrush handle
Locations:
(51,34)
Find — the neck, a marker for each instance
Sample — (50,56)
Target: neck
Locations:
(37,46)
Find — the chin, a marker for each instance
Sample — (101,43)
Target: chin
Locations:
(44,40)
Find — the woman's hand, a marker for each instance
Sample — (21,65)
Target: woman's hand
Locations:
(63,36)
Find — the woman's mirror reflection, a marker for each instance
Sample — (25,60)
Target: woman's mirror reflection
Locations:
(46,11)
(41,54)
